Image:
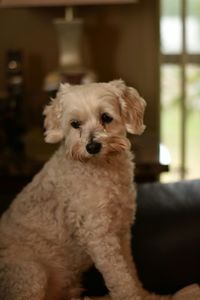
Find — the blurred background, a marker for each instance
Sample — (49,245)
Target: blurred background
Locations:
(154,45)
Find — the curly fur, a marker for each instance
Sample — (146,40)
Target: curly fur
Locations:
(79,208)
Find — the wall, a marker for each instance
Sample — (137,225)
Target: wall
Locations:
(121,41)
(32,31)
(124,43)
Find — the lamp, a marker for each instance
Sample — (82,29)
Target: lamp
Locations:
(69,30)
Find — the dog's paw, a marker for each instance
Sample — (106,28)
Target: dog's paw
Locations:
(191,292)
(157,297)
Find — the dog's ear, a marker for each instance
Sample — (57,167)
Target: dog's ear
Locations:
(53,114)
(132,106)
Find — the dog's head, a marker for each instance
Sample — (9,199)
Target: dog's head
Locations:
(93,119)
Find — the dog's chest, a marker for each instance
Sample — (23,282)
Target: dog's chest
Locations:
(85,181)
(95,192)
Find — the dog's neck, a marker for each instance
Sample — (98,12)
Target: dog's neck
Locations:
(112,163)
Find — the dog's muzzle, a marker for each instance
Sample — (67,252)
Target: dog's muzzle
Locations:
(93,147)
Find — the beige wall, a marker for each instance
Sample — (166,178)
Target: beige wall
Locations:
(121,41)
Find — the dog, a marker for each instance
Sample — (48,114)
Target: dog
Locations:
(79,208)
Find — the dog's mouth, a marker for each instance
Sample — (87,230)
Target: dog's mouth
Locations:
(99,148)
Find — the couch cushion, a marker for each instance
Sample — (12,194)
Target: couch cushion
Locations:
(166,235)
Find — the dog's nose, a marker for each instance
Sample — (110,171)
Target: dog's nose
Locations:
(93,147)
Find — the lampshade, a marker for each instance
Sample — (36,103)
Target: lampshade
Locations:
(28,3)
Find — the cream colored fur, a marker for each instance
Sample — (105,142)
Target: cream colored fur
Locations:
(79,208)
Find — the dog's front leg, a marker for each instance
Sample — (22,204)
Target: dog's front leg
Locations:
(126,248)
(106,253)
(128,255)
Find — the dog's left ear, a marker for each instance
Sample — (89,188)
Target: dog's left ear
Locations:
(132,106)
(53,113)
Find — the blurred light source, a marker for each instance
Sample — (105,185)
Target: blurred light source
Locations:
(164,157)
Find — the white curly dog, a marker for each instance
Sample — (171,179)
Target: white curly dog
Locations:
(79,208)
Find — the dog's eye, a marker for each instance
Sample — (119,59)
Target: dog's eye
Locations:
(106,118)
(75,124)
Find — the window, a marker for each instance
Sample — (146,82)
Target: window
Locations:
(180,86)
